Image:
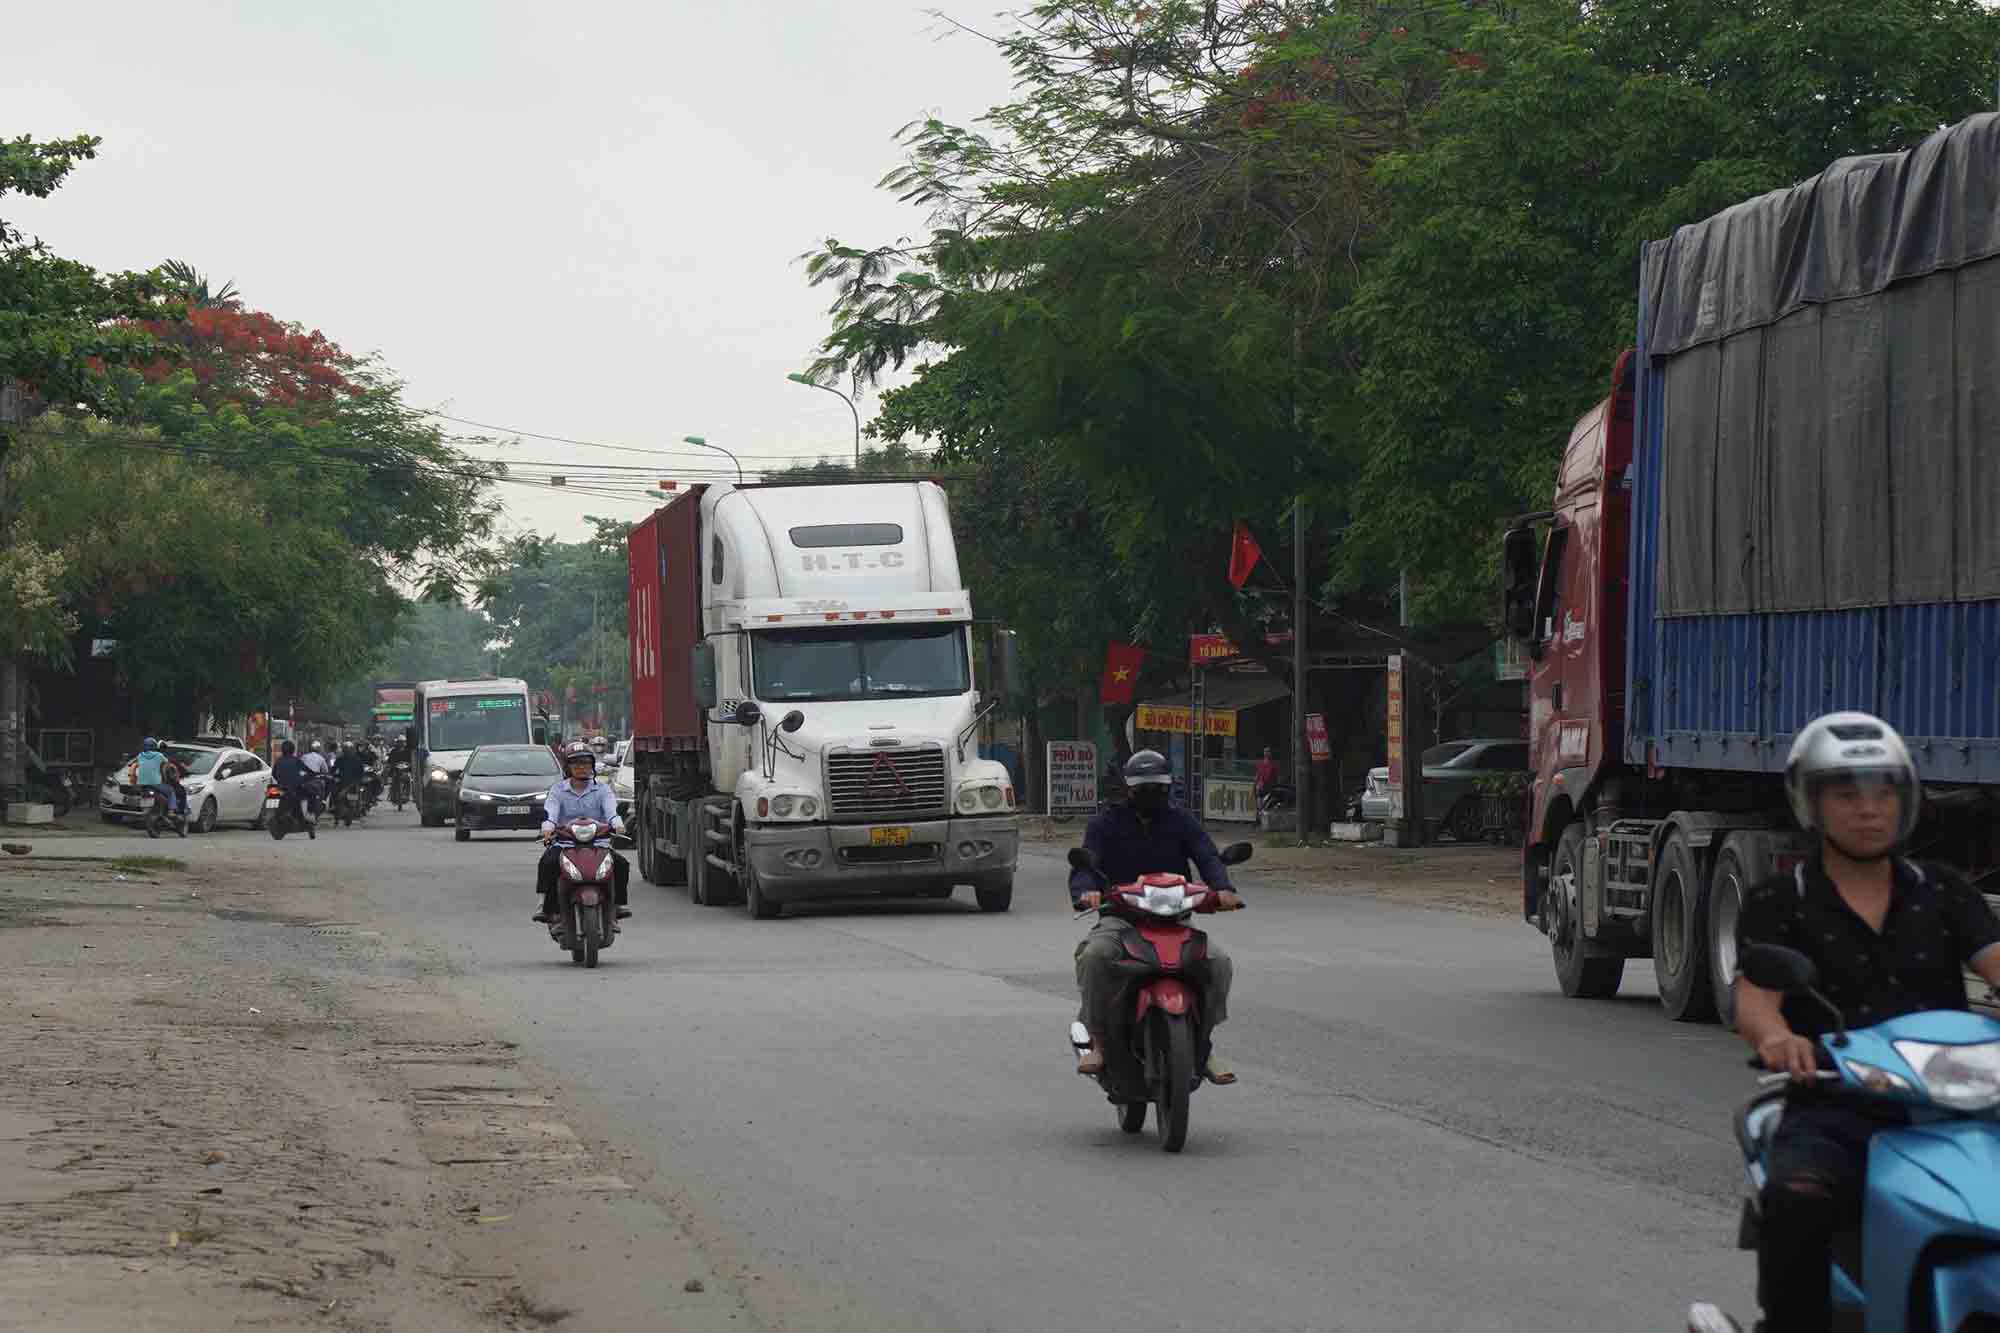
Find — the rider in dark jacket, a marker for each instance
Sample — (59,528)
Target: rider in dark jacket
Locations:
(1145,835)
(291,775)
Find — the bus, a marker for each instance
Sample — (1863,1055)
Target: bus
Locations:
(454,717)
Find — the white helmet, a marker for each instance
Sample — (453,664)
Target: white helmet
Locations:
(315,747)
(1851,747)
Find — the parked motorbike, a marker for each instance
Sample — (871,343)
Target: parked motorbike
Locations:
(1158,1044)
(399,786)
(160,814)
(585,876)
(1927,1255)
(281,821)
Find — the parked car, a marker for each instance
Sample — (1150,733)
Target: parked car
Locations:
(225,785)
(622,782)
(503,787)
(1451,772)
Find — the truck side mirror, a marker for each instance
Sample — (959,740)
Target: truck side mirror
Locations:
(702,674)
(1006,664)
(1518,560)
(748,714)
(792,721)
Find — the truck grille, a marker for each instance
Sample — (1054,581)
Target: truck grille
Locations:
(904,783)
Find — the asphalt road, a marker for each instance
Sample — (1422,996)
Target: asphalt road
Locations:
(868,1111)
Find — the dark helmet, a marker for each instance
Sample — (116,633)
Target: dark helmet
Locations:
(1148,768)
(578,752)
(150,743)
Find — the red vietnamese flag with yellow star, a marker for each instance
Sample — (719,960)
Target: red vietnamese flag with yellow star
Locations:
(1121,673)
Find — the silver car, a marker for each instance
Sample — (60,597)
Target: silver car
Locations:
(1451,773)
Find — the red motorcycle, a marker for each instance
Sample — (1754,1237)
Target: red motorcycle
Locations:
(1158,1042)
(584,879)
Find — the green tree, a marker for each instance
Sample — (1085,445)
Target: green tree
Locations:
(1490,318)
(558,612)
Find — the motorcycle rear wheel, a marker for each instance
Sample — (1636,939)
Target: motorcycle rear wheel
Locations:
(1176,1079)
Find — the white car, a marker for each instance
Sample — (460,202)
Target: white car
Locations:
(224,785)
(622,782)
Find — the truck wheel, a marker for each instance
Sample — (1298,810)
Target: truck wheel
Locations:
(1680,934)
(642,843)
(995,896)
(1585,969)
(1725,905)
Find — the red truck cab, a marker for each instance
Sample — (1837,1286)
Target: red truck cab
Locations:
(1568,602)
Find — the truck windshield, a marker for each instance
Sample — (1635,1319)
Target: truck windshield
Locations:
(468,721)
(877,662)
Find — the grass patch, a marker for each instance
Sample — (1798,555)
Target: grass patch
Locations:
(144,863)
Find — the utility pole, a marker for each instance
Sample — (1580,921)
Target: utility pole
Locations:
(1301,798)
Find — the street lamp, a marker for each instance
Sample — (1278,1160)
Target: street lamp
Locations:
(704,444)
(812,383)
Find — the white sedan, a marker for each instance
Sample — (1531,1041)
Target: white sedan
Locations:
(224,785)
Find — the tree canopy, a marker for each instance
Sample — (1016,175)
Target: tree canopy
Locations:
(1214,256)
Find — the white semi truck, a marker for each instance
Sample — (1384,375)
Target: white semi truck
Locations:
(805,711)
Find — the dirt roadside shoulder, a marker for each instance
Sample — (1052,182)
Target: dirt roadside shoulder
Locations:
(228,1107)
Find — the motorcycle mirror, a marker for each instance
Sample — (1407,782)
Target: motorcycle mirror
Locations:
(1080,859)
(792,721)
(747,714)
(1774,967)
(1236,853)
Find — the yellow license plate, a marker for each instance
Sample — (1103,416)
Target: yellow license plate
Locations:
(889,837)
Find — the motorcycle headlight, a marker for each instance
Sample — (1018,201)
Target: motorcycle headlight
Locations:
(439,775)
(1877,1080)
(1164,899)
(1962,1078)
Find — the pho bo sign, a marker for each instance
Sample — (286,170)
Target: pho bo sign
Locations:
(1072,777)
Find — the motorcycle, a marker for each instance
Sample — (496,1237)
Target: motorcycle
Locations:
(399,786)
(281,821)
(1158,1044)
(348,805)
(1927,1253)
(585,875)
(161,814)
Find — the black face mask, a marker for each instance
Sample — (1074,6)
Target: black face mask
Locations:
(1150,799)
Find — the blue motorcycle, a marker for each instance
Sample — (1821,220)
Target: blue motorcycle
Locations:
(1927,1256)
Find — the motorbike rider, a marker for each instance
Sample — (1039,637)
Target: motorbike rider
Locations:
(291,775)
(578,796)
(350,769)
(1144,835)
(318,768)
(154,778)
(1888,936)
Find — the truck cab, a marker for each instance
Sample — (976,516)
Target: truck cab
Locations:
(838,711)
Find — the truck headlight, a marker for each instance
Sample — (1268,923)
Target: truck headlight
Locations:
(808,807)
(990,797)
(781,806)
(968,801)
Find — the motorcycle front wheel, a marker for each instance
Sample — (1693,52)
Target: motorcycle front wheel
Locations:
(1175,1035)
(1132,1117)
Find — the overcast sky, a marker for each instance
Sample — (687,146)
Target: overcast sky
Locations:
(578,219)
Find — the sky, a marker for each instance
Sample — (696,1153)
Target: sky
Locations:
(578,220)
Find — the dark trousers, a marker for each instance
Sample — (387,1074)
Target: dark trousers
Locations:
(546,873)
(1101,973)
(1818,1165)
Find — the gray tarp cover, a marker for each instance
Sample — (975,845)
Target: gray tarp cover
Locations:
(1832,362)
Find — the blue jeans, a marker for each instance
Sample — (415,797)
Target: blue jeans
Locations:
(173,797)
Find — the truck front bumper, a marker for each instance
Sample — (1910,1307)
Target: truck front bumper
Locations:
(800,861)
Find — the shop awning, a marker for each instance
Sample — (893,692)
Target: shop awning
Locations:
(1226,696)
